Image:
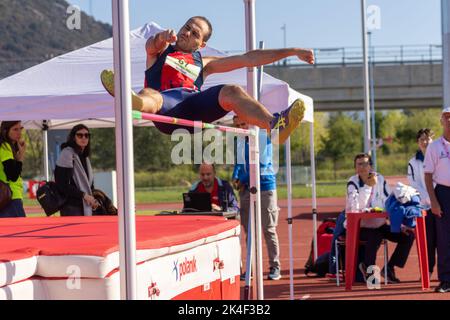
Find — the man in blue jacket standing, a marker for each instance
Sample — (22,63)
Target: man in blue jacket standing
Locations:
(269,206)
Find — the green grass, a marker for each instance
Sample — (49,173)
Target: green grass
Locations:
(174,194)
(166,195)
(159,195)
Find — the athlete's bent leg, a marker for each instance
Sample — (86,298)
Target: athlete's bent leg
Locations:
(234,98)
(152,101)
(148,100)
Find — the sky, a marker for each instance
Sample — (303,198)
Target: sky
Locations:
(312,24)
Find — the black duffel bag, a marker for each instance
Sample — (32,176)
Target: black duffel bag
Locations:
(50,199)
(5,195)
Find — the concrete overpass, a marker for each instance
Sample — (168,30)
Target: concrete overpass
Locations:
(337,87)
(405,76)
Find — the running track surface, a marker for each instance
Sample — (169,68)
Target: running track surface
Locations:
(323,288)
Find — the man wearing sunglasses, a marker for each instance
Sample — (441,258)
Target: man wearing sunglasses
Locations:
(368,190)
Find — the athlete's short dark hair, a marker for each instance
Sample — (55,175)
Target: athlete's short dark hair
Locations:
(205,20)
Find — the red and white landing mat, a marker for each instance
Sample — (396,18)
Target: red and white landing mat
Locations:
(185,257)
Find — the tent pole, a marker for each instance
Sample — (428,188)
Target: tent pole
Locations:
(45,145)
(250,227)
(255,195)
(289,195)
(124,147)
(314,191)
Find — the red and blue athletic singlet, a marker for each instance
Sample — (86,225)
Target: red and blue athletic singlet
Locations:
(178,77)
(175,69)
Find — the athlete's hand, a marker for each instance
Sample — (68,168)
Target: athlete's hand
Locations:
(306,55)
(168,36)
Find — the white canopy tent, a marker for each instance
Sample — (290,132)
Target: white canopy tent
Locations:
(67,90)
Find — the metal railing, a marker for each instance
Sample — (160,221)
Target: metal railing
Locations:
(377,54)
(431,53)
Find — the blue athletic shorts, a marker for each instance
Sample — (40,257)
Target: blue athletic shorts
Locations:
(191,105)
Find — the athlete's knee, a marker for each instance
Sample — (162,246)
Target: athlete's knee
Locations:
(229,95)
(147,91)
(232,90)
(153,100)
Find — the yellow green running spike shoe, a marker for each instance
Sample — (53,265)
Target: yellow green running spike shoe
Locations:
(284,123)
(107,78)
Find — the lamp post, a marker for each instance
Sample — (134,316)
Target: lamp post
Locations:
(284,41)
(372,102)
(445,10)
(365,79)
(373,23)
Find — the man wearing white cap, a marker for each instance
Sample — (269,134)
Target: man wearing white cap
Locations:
(437,180)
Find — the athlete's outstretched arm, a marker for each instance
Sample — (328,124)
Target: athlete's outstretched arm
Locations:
(254,58)
(160,41)
(157,44)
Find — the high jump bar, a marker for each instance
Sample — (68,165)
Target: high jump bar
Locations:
(137,115)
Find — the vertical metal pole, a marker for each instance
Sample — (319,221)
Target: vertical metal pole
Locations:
(45,144)
(365,79)
(445,4)
(255,195)
(372,102)
(314,190)
(284,41)
(290,234)
(260,75)
(124,149)
(251,228)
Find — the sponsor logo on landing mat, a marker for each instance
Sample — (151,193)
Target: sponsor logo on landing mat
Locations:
(187,266)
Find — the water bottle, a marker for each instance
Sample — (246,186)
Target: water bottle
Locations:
(225,202)
(352,202)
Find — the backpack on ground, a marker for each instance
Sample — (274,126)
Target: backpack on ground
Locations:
(324,237)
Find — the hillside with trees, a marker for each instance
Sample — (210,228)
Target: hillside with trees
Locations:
(34,31)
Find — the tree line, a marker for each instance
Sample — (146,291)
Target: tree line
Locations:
(338,136)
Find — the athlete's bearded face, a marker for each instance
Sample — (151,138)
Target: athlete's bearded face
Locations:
(191,36)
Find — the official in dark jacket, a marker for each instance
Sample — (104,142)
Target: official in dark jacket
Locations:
(222,194)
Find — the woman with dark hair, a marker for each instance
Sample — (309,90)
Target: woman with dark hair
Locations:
(73,173)
(12,153)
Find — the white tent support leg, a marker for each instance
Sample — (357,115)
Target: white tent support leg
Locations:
(314,191)
(289,198)
(255,213)
(250,226)
(255,196)
(45,145)
(124,147)
(249,265)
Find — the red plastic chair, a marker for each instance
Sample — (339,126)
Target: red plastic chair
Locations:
(340,241)
(352,240)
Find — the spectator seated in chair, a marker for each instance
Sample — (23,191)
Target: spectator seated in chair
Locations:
(367,190)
